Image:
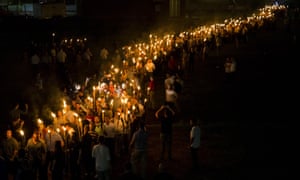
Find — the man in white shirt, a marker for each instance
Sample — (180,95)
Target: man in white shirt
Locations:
(171,98)
(194,142)
(102,159)
(110,136)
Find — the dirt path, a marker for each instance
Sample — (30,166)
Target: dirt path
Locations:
(239,130)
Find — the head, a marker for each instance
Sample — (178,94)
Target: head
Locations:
(97,119)
(77,106)
(86,128)
(142,125)
(50,128)
(107,120)
(68,107)
(9,133)
(101,139)
(91,126)
(68,126)
(35,135)
(59,113)
(194,122)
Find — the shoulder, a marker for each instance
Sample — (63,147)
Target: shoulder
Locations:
(96,146)
(14,141)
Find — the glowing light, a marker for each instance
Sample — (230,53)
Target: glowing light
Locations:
(53,115)
(22,132)
(116,70)
(64,104)
(39,121)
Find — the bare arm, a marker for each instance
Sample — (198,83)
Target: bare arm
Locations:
(157,112)
(132,142)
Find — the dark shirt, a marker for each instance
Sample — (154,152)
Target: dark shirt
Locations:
(88,141)
(166,120)
(140,139)
(10,145)
(58,168)
(36,151)
(59,157)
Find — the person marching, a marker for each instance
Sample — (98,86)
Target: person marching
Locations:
(165,114)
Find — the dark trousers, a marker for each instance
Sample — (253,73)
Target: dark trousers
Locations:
(194,156)
(110,142)
(166,145)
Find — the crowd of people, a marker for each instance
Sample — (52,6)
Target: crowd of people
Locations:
(100,115)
